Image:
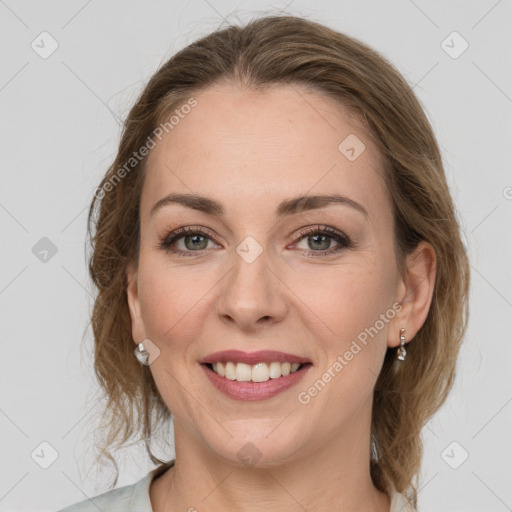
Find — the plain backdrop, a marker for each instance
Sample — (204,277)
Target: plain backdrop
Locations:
(60,115)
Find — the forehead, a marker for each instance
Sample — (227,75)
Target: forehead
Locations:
(246,146)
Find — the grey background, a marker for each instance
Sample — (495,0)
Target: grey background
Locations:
(59,129)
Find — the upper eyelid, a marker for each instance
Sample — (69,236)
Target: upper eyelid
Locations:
(182,231)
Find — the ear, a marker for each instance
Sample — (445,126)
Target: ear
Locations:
(138,328)
(415,293)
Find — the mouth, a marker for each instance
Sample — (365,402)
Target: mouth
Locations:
(254,376)
(255,366)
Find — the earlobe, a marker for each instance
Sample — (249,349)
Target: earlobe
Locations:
(416,292)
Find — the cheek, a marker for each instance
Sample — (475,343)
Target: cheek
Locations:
(170,299)
(173,304)
(347,297)
(350,300)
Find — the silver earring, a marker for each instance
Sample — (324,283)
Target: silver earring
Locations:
(142,354)
(401,352)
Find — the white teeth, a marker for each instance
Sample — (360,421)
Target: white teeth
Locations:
(219,368)
(243,372)
(275,370)
(229,371)
(260,372)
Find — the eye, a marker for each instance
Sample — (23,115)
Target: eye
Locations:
(319,240)
(184,241)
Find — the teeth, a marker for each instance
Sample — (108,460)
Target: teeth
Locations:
(229,372)
(243,372)
(275,370)
(260,372)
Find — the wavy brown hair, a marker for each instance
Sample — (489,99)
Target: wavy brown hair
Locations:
(288,50)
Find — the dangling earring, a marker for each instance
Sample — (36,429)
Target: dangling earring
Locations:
(401,352)
(142,354)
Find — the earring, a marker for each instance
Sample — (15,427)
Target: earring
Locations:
(142,354)
(401,352)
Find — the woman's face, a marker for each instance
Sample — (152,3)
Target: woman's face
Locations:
(260,271)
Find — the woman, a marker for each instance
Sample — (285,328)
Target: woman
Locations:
(277,241)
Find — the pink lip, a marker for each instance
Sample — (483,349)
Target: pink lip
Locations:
(263,356)
(251,391)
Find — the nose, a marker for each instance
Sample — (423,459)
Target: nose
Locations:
(252,296)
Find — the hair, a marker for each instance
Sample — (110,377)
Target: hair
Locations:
(272,51)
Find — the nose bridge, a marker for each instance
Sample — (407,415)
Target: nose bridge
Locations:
(251,293)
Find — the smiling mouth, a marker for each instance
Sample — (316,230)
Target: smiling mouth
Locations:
(260,372)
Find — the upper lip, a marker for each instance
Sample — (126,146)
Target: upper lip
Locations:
(262,356)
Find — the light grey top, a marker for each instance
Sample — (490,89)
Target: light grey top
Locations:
(135,498)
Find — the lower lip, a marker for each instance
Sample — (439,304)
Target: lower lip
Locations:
(251,391)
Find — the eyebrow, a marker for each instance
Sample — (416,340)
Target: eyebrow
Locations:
(287,207)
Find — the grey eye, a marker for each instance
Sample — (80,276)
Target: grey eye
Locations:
(196,242)
(316,242)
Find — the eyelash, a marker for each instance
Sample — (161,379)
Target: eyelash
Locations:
(343,240)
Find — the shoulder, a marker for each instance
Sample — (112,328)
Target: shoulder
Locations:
(124,499)
(111,501)
(130,498)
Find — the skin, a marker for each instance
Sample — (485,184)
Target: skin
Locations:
(250,151)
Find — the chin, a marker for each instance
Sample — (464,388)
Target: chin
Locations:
(257,443)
